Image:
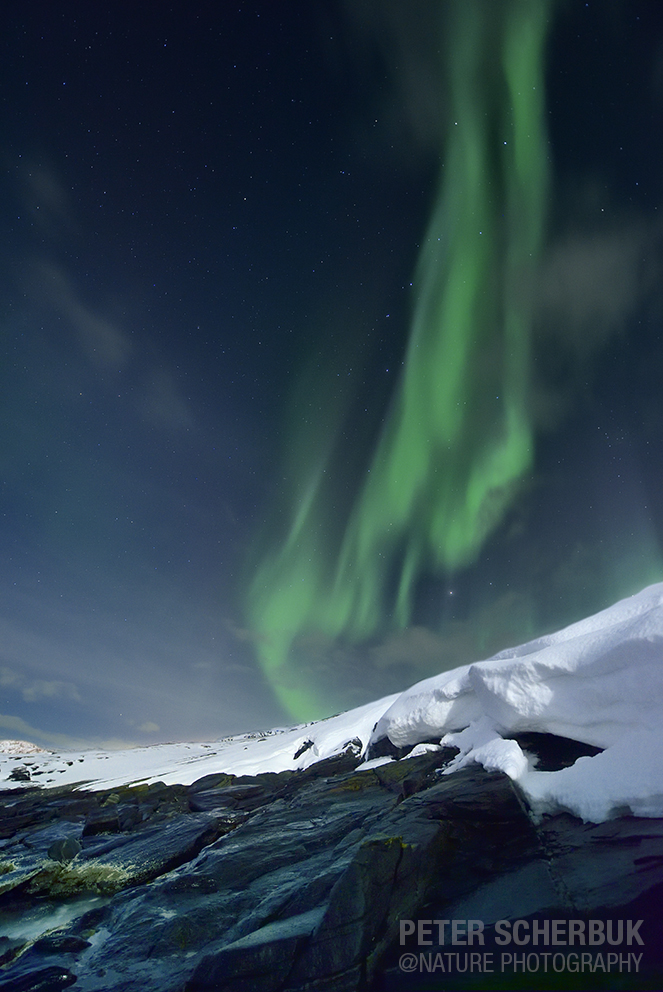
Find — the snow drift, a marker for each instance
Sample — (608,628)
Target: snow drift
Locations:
(598,681)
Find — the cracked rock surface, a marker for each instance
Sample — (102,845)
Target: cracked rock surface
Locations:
(294,881)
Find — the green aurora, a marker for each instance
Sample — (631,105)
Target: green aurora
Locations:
(458,437)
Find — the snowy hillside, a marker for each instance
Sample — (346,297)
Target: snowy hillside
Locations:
(599,681)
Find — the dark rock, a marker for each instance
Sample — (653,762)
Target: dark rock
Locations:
(303,749)
(218,780)
(65,850)
(9,949)
(20,774)
(337,764)
(61,943)
(408,777)
(385,748)
(297,881)
(604,864)
(258,962)
(130,816)
(215,800)
(354,747)
(43,980)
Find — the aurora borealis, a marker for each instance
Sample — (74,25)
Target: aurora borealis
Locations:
(331,349)
(458,437)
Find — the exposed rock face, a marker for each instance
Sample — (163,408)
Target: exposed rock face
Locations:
(293,881)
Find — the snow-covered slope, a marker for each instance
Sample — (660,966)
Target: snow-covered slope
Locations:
(599,681)
(246,754)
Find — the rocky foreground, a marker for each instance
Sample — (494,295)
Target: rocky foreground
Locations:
(298,880)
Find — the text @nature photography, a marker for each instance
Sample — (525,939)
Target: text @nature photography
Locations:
(533,945)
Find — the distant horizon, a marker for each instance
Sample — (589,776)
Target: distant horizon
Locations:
(598,683)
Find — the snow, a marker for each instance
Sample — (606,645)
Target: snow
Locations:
(246,754)
(599,681)
(20,747)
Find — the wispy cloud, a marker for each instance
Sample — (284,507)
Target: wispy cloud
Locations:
(35,690)
(592,280)
(150,727)
(103,342)
(15,728)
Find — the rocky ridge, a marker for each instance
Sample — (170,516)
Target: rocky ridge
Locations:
(298,880)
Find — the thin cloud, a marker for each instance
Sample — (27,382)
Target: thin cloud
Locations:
(103,342)
(592,281)
(34,690)
(15,728)
(149,727)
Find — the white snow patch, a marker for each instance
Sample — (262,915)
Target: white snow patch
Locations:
(20,747)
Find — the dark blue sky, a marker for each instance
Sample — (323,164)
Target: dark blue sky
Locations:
(203,204)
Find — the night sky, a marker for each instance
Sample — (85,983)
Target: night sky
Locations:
(211,219)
